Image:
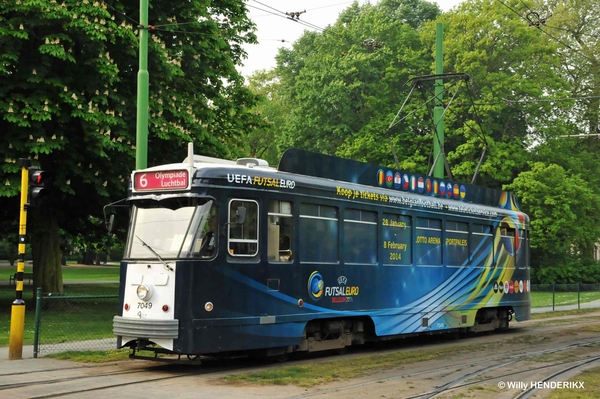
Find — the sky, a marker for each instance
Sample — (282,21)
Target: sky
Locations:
(273,26)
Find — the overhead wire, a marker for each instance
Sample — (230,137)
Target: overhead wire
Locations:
(282,14)
(123,14)
(412,112)
(571,32)
(308,9)
(539,100)
(477,120)
(536,26)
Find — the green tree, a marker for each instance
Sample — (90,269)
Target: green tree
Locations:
(345,85)
(271,108)
(68,94)
(563,208)
(510,67)
(573,26)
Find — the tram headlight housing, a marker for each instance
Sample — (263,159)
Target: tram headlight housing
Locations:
(144,291)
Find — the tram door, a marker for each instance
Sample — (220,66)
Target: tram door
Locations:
(280,239)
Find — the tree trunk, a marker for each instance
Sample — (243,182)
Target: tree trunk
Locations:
(45,247)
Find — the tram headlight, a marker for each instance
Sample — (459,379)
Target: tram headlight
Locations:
(144,291)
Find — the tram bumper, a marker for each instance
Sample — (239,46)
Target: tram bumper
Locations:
(155,330)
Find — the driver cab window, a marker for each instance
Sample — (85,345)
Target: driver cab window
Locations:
(206,242)
(280,231)
(243,235)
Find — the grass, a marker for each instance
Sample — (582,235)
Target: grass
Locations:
(93,356)
(558,313)
(544,299)
(591,383)
(63,320)
(72,273)
(323,372)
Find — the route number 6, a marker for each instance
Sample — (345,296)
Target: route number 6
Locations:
(143,181)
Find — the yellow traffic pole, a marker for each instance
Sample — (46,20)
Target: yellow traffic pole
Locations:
(17,317)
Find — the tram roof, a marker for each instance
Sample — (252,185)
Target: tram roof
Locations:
(397,182)
(300,162)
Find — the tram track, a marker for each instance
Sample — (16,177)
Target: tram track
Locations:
(476,363)
(580,365)
(56,369)
(57,380)
(457,383)
(61,386)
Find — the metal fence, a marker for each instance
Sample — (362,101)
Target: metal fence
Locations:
(74,323)
(84,322)
(565,296)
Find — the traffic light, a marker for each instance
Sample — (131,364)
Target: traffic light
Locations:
(39,186)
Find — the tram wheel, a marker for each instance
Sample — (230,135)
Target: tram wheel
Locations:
(284,357)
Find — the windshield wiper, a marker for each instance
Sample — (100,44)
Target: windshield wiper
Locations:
(155,253)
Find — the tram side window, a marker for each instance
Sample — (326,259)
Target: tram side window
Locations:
(397,239)
(318,232)
(507,241)
(526,249)
(243,238)
(279,247)
(482,245)
(428,242)
(456,240)
(360,236)
(521,250)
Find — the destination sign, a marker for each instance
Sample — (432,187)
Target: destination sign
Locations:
(161,180)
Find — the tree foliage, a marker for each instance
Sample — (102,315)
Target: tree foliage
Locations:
(342,86)
(271,109)
(68,94)
(562,207)
(534,79)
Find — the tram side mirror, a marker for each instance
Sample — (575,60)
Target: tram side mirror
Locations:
(110,223)
(240,215)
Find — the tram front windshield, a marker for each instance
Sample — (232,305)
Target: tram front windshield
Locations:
(170,229)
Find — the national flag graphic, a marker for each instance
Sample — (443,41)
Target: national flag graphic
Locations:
(405,182)
(413,183)
(463,191)
(436,187)
(397,180)
(511,286)
(420,184)
(442,188)
(516,287)
(456,191)
(449,190)
(389,178)
(428,186)
(506,286)
(380,175)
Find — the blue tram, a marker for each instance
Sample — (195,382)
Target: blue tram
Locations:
(319,253)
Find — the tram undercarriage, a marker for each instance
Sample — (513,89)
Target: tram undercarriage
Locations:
(333,334)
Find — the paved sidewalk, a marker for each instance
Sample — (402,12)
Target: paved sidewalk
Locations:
(27,354)
(584,305)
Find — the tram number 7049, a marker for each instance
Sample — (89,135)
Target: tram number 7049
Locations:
(144,305)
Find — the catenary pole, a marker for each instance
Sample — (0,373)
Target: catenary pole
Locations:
(143,82)
(438,111)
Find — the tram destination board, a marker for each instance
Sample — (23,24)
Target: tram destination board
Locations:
(161,180)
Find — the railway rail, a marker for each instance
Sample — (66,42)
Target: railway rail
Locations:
(533,351)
